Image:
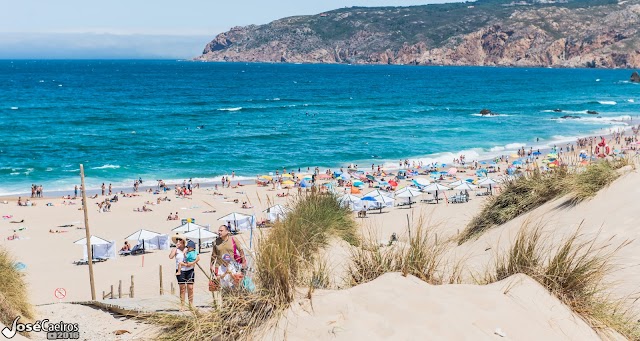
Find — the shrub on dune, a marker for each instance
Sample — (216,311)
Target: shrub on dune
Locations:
(14,300)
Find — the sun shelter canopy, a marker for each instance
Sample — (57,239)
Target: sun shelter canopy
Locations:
(239,221)
(201,234)
(142,235)
(379,198)
(465,186)
(351,201)
(407,192)
(456,183)
(434,187)
(276,212)
(487,182)
(93,241)
(188,227)
(100,248)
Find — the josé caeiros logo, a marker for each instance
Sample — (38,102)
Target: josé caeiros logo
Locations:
(55,331)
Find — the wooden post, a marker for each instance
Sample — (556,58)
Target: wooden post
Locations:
(85,204)
(120,289)
(161,288)
(131,288)
(103,294)
(409,227)
(173,290)
(111,292)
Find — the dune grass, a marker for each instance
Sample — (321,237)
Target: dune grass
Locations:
(525,193)
(284,259)
(575,272)
(422,257)
(14,300)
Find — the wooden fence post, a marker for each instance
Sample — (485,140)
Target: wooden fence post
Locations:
(111,292)
(120,289)
(161,288)
(131,288)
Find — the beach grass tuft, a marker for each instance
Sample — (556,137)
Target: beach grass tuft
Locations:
(422,257)
(575,273)
(525,193)
(14,299)
(286,257)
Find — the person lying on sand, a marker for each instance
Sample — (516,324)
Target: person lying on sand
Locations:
(143,209)
(245,205)
(93,197)
(57,231)
(17,222)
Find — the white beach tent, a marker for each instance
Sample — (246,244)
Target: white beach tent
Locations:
(421,182)
(351,201)
(201,235)
(188,227)
(100,248)
(456,183)
(409,193)
(240,221)
(380,199)
(276,212)
(146,236)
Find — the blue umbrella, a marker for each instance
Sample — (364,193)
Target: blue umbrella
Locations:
(483,163)
(536,153)
(369,199)
(517,162)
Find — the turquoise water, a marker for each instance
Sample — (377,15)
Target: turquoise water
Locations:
(130,119)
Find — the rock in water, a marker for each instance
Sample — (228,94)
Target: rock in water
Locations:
(635,77)
(592,112)
(487,112)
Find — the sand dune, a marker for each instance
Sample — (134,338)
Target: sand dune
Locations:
(394,307)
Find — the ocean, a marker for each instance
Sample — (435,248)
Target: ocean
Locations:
(174,120)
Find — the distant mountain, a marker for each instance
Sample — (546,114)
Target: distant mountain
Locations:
(561,33)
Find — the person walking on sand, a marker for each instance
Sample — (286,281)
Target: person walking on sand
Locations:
(227,258)
(75,191)
(185,272)
(103,188)
(109,189)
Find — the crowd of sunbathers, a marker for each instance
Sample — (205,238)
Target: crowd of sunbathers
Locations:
(173,217)
(25,203)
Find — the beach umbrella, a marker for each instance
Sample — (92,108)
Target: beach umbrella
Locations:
(517,162)
(380,198)
(456,183)
(383,183)
(288,183)
(408,192)
(465,186)
(358,183)
(187,227)
(345,176)
(287,175)
(324,176)
(237,219)
(370,177)
(351,201)
(421,182)
(266,177)
(536,153)
(452,171)
(142,235)
(434,188)
(393,183)
(487,182)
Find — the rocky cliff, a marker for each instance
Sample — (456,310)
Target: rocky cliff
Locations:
(558,33)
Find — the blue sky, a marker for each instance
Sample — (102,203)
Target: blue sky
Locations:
(75,24)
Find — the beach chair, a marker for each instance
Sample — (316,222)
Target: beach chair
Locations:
(138,249)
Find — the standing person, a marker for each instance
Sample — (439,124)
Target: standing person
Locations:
(227,258)
(103,188)
(185,272)
(109,189)
(75,191)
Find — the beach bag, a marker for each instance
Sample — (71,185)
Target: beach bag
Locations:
(213,285)
(236,255)
(247,284)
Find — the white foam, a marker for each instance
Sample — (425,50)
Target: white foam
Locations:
(14,108)
(107,166)
(494,115)
(630,100)
(49,169)
(230,109)
(515,145)
(608,102)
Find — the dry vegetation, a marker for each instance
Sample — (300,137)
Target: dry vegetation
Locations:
(574,271)
(525,193)
(14,300)
(284,259)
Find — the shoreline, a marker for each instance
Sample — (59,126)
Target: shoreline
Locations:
(388,165)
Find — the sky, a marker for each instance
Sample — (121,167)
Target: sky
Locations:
(119,28)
